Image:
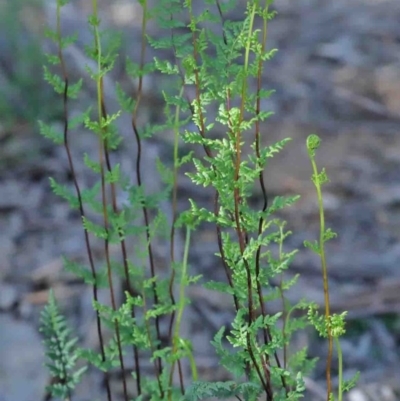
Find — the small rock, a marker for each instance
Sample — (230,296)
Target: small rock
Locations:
(8,296)
(388,86)
(7,248)
(23,376)
(357,395)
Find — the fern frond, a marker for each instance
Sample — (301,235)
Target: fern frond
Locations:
(61,351)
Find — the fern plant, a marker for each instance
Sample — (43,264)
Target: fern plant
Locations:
(212,104)
(61,351)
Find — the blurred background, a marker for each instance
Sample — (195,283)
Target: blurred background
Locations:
(337,73)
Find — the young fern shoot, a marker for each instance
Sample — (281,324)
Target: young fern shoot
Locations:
(331,326)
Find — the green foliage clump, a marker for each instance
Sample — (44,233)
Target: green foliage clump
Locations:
(213,104)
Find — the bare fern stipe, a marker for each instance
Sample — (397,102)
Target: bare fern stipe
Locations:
(214,84)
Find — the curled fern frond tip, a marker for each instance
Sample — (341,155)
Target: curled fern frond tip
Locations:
(313,143)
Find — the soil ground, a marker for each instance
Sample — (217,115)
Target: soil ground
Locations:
(337,73)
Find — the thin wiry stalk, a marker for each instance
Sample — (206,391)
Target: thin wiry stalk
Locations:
(174,213)
(236,194)
(139,182)
(157,362)
(172,243)
(284,309)
(243,235)
(181,307)
(216,209)
(216,206)
(261,181)
(267,334)
(80,201)
(222,251)
(322,232)
(210,155)
(126,269)
(216,196)
(174,217)
(102,115)
(240,234)
(205,147)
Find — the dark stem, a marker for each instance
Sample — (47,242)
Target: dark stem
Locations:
(80,202)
